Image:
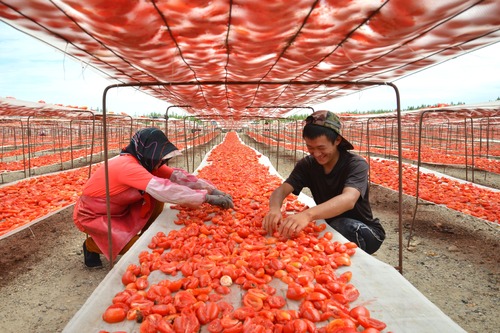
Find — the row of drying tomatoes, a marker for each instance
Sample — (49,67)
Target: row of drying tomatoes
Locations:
(223,273)
(440,157)
(446,156)
(33,198)
(461,196)
(51,159)
(59,157)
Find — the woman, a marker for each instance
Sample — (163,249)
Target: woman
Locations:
(139,185)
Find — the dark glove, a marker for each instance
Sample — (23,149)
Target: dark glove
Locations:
(222,201)
(219,192)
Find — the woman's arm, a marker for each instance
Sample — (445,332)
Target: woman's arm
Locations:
(166,191)
(182,177)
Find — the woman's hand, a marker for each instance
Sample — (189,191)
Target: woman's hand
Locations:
(219,192)
(222,201)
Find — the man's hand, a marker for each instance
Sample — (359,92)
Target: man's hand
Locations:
(293,224)
(222,201)
(272,221)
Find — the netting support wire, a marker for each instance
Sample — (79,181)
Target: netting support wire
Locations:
(257,83)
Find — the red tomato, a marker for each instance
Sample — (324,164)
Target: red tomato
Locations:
(243,232)
(368,322)
(187,322)
(215,326)
(238,328)
(316,296)
(207,312)
(128,277)
(370,330)
(253,301)
(228,322)
(350,292)
(162,309)
(341,326)
(276,301)
(295,291)
(225,308)
(142,282)
(230,270)
(191,282)
(343,260)
(276,264)
(334,287)
(223,290)
(328,235)
(184,299)
(329,248)
(344,330)
(114,314)
(259,321)
(322,289)
(295,326)
(359,311)
(345,277)
(319,227)
(351,245)
(176,285)
(304,277)
(244,312)
(122,297)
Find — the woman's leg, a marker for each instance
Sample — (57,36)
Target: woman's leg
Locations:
(92,251)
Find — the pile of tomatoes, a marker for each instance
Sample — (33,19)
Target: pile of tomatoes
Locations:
(281,285)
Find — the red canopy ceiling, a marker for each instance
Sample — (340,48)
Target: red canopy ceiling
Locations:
(228,57)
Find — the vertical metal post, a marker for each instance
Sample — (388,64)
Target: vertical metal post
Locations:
(106,175)
(185,145)
(278,147)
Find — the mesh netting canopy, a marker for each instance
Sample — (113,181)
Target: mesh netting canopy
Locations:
(228,57)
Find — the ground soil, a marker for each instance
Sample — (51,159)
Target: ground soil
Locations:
(452,258)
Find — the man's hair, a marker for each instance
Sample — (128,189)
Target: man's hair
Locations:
(312,131)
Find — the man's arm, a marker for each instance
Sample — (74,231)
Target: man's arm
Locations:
(273,218)
(335,206)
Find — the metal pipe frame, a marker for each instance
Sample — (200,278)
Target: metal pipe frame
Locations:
(199,83)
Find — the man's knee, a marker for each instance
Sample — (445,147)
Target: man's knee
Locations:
(359,233)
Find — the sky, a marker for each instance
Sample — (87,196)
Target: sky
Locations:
(33,71)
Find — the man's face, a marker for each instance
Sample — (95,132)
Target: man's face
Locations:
(323,151)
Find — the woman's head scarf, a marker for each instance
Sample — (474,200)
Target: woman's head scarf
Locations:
(149,146)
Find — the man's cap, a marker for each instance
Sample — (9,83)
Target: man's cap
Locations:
(329,120)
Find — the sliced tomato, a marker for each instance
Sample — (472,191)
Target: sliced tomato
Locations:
(368,322)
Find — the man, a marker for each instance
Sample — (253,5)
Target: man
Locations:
(338,181)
